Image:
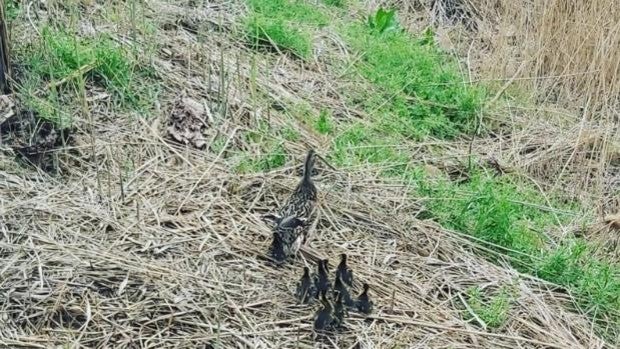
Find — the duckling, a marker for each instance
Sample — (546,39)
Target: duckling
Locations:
(364,304)
(277,248)
(340,289)
(305,288)
(322,280)
(324,317)
(343,271)
(285,237)
(340,312)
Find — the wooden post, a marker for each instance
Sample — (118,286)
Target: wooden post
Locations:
(5,63)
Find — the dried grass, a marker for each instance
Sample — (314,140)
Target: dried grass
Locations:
(561,56)
(174,262)
(565,51)
(166,252)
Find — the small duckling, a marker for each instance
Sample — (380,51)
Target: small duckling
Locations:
(285,237)
(343,271)
(364,304)
(277,248)
(322,281)
(306,288)
(324,317)
(340,312)
(340,289)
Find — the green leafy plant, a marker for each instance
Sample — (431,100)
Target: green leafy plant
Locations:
(383,21)
(323,123)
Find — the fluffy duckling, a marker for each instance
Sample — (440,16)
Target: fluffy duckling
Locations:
(305,288)
(340,289)
(285,237)
(340,311)
(277,248)
(343,271)
(322,280)
(324,317)
(364,304)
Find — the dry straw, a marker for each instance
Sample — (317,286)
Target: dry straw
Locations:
(158,246)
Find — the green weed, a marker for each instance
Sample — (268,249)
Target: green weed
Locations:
(291,10)
(419,88)
(267,161)
(290,134)
(336,3)
(323,123)
(383,21)
(492,311)
(276,24)
(264,32)
(59,60)
(359,145)
(595,283)
(510,218)
(12,10)
(489,209)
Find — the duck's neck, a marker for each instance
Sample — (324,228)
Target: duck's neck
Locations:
(308,166)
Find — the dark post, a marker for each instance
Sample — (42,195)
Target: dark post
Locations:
(5,63)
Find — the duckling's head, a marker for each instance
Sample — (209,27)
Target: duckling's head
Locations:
(366,288)
(277,248)
(324,263)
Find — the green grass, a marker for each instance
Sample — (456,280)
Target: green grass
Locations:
(291,10)
(337,3)
(269,140)
(269,159)
(283,25)
(512,218)
(264,32)
(290,134)
(492,310)
(64,63)
(323,123)
(12,9)
(359,145)
(411,90)
(490,209)
(595,282)
(425,92)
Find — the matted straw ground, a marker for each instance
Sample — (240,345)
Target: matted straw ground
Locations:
(166,254)
(175,264)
